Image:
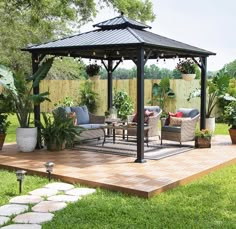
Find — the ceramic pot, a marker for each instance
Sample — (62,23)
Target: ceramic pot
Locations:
(188,77)
(26,139)
(211,124)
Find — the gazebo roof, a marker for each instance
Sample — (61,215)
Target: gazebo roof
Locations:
(118,34)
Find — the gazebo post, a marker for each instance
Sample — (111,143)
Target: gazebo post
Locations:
(35,63)
(203,92)
(140,106)
(109,84)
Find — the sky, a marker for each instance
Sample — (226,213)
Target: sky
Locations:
(207,24)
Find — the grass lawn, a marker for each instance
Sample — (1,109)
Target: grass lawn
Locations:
(221,128)
(209,202)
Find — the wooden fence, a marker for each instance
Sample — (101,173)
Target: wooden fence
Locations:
(59,89)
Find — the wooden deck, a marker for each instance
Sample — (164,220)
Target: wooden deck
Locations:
(120,173)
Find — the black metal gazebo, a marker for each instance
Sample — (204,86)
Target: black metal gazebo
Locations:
(119,39)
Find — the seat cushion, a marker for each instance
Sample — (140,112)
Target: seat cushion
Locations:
(175,121)
(91,126)
(189,112)
(82,114)
(173,129)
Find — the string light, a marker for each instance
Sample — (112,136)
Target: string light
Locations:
(122,58)
(162,54)
(164,61)
(105,56)
(68,54)
(117,52)
(94,53)
(158,58)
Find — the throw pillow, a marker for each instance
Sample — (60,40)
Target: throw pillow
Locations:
(147,114)
(81,114)
(73,116)
(170,114)
(175,121)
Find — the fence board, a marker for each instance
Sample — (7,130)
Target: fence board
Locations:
(59,89)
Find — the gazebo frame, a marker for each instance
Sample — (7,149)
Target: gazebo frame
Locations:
(117,39)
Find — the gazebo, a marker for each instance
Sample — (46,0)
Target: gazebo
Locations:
(119,39)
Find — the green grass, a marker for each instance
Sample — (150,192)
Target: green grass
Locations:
(9,186)
(221,128)
(209,202)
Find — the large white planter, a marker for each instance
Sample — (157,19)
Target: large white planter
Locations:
(211,124)
(188,77)
(26,139)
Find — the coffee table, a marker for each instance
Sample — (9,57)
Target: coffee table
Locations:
(124,127)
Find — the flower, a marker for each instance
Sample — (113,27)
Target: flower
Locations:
(186,67)
(92,69)
(204,133)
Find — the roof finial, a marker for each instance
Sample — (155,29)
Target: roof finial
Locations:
(121,13)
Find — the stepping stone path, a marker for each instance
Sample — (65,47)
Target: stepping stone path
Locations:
(52,197)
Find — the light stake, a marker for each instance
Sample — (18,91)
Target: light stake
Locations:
(20,177)
(49,169)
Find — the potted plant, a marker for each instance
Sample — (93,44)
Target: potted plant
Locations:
(161,93)
(203,138)
(230,119)
(58,130)
(92,71)
(187,68)
(4,124)
(19,89)
(216,88)
(88,97)
(123,103)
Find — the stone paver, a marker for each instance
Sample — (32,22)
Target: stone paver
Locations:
(27,199)
(22,226)
(44,192)
(80,191)
(12,209)
(33,218)
(3,219)
(60,186)
(64,198)
(49,206)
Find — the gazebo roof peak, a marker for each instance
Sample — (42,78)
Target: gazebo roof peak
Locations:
(121,22)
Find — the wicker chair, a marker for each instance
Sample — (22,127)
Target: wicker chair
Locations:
(152,121)
(184,132)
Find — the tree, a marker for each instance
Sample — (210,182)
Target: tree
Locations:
(29,21)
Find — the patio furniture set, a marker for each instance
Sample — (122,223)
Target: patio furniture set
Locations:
(180,129)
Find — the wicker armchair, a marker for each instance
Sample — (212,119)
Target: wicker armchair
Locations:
(152,122)
(184,132)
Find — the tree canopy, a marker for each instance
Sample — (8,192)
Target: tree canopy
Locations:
(26,22)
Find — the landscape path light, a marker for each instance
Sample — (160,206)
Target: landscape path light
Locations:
(49,169)
(20,177)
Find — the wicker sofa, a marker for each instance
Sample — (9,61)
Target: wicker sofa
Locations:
(92,125)
(152,122)
(183,132)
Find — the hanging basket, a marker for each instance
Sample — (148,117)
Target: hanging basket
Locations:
(188,77)
(95,77)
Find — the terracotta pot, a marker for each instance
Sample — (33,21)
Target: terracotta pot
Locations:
(232,133)
(54,147)
(2,139)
